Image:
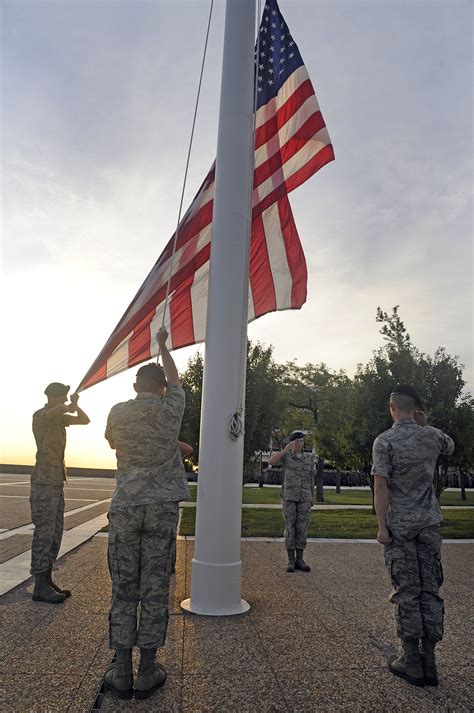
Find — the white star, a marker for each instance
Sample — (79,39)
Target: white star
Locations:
(265,30)
(273,25)
(270,71)
(282,37)
(282,25)
(272,48)
(281,71)
(259,89)
(262,54)
(271,60)
(264,42)
(282,49)
(260,78)
(260,66)
(290,44)
(274,12)
(270,81)
(273,37)
(292,54)
(282,60)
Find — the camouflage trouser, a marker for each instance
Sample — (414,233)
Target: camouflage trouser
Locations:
(296,516)
(415,569)
(47,513)
(140,554)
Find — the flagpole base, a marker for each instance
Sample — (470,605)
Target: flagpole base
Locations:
(240,609)
(215,590)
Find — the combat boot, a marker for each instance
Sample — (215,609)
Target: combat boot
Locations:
(151,675)
(43,592)
(291,561)
(408,665)
(119,678)
(300,563)
(54,586)
(428,659)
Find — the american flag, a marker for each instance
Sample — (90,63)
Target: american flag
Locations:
(291,143)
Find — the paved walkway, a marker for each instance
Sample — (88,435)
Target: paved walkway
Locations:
(87,501)
(310,642)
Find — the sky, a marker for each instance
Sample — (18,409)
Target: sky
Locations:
(96,109)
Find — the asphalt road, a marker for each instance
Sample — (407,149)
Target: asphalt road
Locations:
(78,493)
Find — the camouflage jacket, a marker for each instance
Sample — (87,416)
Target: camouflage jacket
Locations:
(50,436)
(298,476)
(406,455)
(144,432)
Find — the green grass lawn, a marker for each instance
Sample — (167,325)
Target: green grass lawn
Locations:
(332,523)
(271,496)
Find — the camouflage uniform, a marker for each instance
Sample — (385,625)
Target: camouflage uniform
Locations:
(143,515)
(406,455)
(297,496)
(47,484)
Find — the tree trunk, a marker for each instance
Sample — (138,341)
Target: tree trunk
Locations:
(436,481)
(260,477)
(440,474)
(320,481)
(462,484)
(338,481)
(370,478)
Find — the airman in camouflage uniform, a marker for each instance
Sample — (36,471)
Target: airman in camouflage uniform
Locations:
(47,485)
(297,498)
(143,517)
(409,516)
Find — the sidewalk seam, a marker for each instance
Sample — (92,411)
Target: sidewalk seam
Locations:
(274,674)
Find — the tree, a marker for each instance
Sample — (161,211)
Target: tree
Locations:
(438,379)
(463,427)
(292,416)
(343,416)
(191,381)
(263,403)
(332,436)
(319,397)
(451,410)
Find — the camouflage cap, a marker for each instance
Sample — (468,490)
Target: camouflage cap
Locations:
(56,389)
(296,435)
(152,374)
(407,390)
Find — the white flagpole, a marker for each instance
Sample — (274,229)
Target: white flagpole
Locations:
(216,567)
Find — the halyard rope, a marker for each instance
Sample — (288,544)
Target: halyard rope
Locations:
(186,169)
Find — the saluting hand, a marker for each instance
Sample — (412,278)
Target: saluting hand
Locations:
(420,417)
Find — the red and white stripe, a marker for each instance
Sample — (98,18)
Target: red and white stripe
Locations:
(291,143)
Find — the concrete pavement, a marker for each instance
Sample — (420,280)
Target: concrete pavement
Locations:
(311,642)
